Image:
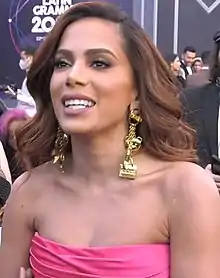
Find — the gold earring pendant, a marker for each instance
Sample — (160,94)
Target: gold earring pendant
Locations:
(59,148)
(128,169)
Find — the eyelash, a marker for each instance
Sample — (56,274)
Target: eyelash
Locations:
(104,64)
(96,63)
(58,64)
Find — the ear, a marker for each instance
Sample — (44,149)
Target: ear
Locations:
(171,65)
(135,105)
(134,96)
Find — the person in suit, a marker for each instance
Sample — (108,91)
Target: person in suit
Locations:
(201,77)
(201,107)
(188,56)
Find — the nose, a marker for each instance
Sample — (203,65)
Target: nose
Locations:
(77,75)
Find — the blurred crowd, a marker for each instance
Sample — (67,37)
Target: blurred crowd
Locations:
(191,69)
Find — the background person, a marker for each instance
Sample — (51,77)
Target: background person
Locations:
(174,63)
(202,77)
(10,121)
(201,111)
(25,100)
(188,56)
(197,65)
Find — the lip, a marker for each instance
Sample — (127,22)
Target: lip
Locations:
(75,112)
(76,96)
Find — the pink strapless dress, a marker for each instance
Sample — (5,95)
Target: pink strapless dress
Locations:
(49,259)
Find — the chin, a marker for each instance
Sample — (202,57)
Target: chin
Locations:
(82,129)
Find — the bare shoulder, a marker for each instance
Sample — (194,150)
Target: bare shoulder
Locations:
(33,181)
(19,218)
(194,227)
(26,192)
(192,176)
(188,180)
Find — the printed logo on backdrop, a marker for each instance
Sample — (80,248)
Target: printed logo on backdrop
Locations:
(209,5)
(175,30)
(31,20)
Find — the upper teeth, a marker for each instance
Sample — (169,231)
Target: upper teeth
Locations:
(78,102)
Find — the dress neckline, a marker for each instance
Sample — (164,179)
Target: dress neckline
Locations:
(100,248)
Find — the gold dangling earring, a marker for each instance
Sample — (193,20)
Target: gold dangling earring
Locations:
(128,169)
(59,148)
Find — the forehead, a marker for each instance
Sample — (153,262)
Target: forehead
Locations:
(190,54)
(92,33)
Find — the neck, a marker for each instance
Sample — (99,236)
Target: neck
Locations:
(98,157)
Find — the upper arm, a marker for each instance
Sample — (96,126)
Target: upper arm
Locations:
(195,228)
(17,232)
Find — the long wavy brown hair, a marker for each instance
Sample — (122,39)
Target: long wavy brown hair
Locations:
(165,135)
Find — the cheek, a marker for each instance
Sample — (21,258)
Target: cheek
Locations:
(55,87)
(117,88)
(52,84)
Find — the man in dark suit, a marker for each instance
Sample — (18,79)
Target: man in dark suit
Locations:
(188,56)
(201,110)
(202,77)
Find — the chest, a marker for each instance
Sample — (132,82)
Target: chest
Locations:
(102,217)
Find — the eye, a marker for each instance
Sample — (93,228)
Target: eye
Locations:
(61,63)
(100,64)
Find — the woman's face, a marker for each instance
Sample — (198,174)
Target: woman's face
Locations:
(92,84)
(197,66)
(175,66)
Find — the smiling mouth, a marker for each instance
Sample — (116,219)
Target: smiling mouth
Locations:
(78,103)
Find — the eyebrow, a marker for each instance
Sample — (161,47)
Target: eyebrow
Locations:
(88,52)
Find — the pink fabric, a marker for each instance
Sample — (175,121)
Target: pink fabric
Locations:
(49,259)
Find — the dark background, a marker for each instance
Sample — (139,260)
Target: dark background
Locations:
(196,26)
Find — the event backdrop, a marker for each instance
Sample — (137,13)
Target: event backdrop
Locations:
(187,22)
(172,24)
(27,22)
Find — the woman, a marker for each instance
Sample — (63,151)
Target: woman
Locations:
(197,65)
(174,64)
(10,121)
(108,194)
